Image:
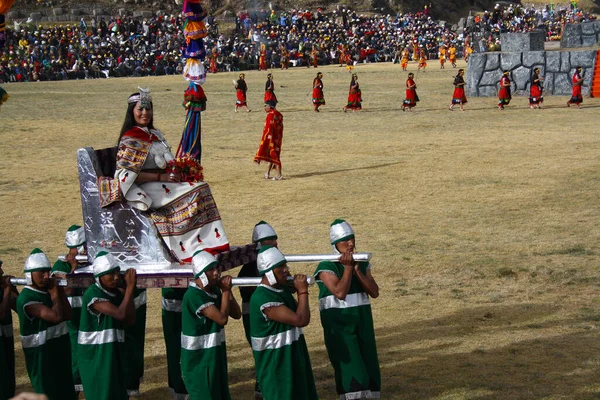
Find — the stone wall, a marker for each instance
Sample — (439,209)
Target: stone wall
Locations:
(586,34)
(59,14)
(557,68)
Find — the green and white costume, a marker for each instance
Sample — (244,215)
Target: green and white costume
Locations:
(44,343)
(135,340)
(74,238)
(348,330)
(7,357)
(280,353)
(75,300)
(101,341)
(203,348)
(172,300)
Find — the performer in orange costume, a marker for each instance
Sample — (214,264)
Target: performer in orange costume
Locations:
(404,61)
(422,60)
(269,149)
(452,55)
(442,56)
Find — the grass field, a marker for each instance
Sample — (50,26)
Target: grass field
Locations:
(483,224)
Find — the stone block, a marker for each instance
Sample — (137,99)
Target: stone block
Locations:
(454,28)
(470,22)
(36,16)
(565,61)
(75,11)
(488,91)
(97,12)
(44,19)
(52,19)
(460,31)
(147,14)
(476,65)
(562,84)
(122,12)
(549,83)
(137,14)
(531,41)
(588,40)
(583,58)
(587,81)
(13,15)
(530,58)
(461,22)
(521,77)
(588,28)
(509,61)
(57,11)
(552,61)
(571,36)
(490,78)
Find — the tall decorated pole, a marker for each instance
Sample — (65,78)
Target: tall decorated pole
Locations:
(194,102)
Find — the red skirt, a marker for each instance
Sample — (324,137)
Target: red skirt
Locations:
(459,96)
(576,97)
(270,96)
(411,98)
(317,97)
(354,101)
(504,96)
(535,95)
(241,98)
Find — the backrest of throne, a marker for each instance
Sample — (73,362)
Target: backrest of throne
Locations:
(125,232)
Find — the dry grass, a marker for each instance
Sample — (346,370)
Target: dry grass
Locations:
(483,224)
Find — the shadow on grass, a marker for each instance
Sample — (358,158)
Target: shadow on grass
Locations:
(310,174)
(502,366)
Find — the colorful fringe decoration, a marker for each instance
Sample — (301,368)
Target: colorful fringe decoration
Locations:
(194,99)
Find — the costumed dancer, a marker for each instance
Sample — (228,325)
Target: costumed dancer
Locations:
(405,58)
(285,58)
(354,95)
(459,97)
(43,309)
(135,341)
(344,290)
(442,54)
(213,61)
(536,88)
(102,354)
(422,60)
(269,149)
(3,97)
(262,58)
(171,303)
(318,98)
(194,30)
(452,55)
(8,301)
(280,353)
(411,97)
(270,90)
(75,242)
(504,95)
(314,54)
(207,305)
(576,97)
(240,92)
(263,235)
(142,181)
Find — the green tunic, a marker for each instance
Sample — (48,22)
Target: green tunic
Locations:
(135,340)
(45,346)
(7,357)
(101,348)
(249,270)
(171,302)
(203,349)
(75,299)
(349,336)
(281,357)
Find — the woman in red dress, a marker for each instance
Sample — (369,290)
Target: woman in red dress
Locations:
(318,98)
(504,95)
(576,97)
(411,98)
(270,90)
(269,149)
(459,91)
(262,59)
(354,95)
(240,93)
(536,97)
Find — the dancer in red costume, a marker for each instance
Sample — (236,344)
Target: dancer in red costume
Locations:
(269,149)
(270,90)
(318,98)
(240,93)
(354,95)
(576,97)
(459,90)
(411,98)
(536,96)
(504,95)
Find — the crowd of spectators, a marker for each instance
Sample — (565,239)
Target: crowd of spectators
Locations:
(127,46)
